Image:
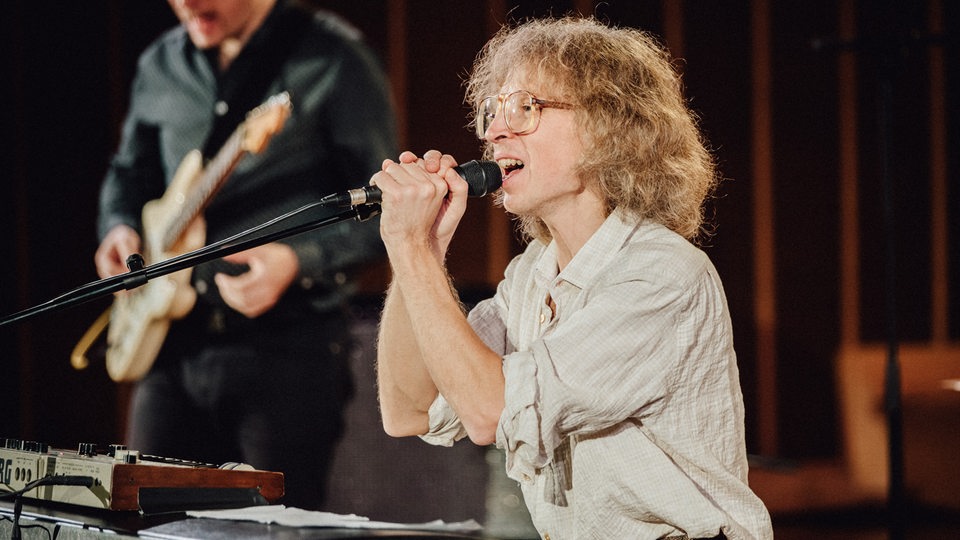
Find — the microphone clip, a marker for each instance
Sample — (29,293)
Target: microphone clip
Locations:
(366,211)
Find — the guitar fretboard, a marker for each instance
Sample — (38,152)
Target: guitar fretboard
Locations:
(213,177)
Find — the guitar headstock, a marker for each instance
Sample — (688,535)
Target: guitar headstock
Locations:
(265,121)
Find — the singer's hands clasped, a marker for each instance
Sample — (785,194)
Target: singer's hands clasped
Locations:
(423,201)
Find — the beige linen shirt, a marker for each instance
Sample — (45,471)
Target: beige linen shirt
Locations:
(623,412)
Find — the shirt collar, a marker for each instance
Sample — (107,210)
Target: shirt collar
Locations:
(597,252)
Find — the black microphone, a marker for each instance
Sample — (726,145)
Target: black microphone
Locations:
(482,177)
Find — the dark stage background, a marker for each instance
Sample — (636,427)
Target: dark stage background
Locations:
(771,103)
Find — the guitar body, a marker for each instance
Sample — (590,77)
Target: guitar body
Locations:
(140,319)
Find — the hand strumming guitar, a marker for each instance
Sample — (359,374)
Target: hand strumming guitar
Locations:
(273,268)
(111,256)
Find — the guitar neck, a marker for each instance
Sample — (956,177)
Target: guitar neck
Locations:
(212,178)
(188,194)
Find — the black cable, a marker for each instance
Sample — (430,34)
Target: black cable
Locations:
(52,480)
(20,528)
(49,480)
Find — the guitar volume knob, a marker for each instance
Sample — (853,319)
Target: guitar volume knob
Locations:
(135,262)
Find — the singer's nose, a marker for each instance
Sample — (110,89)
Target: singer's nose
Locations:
(497,128)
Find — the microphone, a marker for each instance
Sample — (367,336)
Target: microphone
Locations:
(482,177)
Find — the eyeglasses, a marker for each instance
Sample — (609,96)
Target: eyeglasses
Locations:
(521,111)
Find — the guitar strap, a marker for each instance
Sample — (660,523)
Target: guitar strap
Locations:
(245,83)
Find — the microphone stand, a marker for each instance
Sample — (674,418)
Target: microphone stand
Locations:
(892,398)
(888,50)
(139,274)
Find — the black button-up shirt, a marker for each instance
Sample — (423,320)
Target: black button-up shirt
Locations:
(341,128)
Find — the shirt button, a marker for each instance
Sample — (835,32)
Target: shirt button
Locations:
(221,108)
(543,317)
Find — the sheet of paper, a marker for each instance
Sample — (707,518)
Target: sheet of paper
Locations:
(296,517)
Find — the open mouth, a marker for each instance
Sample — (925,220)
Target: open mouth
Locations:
(509,166)
(204,22)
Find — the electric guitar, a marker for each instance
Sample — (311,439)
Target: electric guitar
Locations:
(138,320)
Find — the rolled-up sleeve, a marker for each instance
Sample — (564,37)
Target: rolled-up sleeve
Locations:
(628,332)
(445,426)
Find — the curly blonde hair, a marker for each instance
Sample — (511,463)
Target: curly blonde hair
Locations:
(644,153)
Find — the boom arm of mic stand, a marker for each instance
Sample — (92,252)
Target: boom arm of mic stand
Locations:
(227,246)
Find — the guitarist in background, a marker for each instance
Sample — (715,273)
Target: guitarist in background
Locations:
(258,370)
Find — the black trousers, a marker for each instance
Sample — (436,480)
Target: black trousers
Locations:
(270,395)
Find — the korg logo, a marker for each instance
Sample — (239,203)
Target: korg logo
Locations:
(6,469)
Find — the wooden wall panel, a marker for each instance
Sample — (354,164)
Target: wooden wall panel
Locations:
(718,75)
(805,178)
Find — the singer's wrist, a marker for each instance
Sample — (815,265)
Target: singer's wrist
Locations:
(415,263)
(412,260)
(414,249)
